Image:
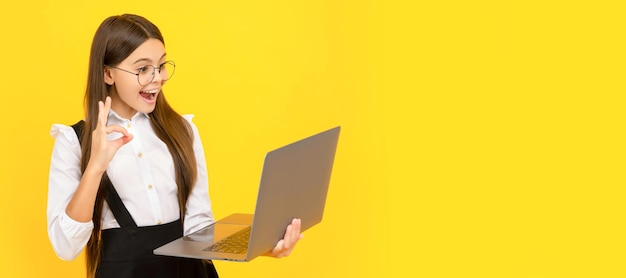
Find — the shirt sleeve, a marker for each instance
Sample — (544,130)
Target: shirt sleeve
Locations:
(68,237)
(199,213)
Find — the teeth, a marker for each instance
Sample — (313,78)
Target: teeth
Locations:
(152,91)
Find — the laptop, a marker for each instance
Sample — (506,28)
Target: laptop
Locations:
(294,184)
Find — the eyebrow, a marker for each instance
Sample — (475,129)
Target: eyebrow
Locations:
(148,60)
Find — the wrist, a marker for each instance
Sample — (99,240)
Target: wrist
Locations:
(95,172)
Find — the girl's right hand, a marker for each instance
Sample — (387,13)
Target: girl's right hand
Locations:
(102,149)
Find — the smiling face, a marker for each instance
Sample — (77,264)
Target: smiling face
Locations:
(127,95)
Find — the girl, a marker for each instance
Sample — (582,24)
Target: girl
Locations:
(132,176)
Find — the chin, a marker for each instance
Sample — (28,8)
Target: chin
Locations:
(147,109)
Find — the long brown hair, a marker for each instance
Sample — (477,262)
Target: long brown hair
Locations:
(116,38)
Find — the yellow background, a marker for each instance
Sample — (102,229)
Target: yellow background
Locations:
(480,138)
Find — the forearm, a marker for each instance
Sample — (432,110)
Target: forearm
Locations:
(80,208)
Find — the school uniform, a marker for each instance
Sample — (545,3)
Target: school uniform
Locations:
(142,175)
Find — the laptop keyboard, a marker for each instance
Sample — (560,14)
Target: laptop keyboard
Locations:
(236,243)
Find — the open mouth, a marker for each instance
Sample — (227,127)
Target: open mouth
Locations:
(149,95)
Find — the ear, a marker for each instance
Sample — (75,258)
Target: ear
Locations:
(108,78)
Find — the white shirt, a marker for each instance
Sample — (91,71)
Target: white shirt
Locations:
(142,172)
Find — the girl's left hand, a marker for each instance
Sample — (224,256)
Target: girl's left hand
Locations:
(284,246)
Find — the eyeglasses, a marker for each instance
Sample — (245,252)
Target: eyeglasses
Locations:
(145,75)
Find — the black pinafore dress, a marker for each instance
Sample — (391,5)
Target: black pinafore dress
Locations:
(127,251)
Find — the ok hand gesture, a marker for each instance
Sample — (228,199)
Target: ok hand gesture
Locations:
(102,149)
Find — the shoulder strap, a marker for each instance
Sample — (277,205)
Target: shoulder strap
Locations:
(120,212)
(78,128)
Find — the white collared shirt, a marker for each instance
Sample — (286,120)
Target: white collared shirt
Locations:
(141,171)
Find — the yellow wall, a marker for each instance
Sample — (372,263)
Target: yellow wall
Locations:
(480,138)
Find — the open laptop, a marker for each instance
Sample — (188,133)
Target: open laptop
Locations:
(294,184)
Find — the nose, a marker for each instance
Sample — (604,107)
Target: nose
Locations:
(157,75)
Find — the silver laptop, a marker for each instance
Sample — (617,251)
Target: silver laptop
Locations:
(294,184)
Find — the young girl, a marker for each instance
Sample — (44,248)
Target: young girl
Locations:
(132,176)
